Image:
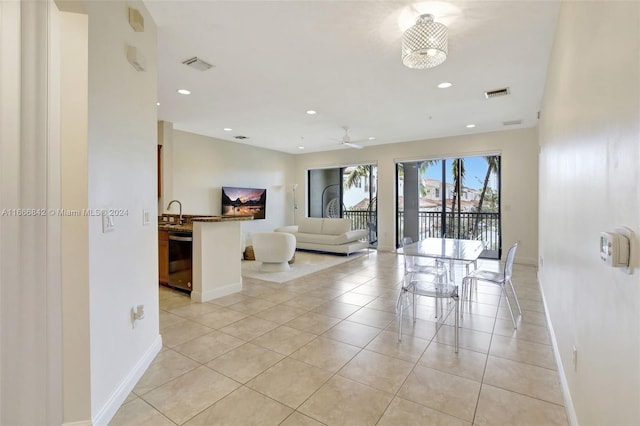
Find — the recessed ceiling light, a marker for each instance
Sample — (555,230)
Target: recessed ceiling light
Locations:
(444,85)
(184,91)
(301,147)
(311,112)
(157,103)
(371,138)
(227,129)
(470,126)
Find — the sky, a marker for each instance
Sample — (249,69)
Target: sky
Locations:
(243,193)
(475,171)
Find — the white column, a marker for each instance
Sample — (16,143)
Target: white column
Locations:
(30,308)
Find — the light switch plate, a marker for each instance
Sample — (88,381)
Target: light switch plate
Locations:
(146,217)
(108,224)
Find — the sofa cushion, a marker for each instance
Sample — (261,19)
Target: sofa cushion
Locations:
(344,238)
(291,229)
(310,225)
(334,226)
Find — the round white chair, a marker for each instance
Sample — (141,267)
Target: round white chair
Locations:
(273,249)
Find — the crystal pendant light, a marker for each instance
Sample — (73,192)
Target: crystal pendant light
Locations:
(425,44)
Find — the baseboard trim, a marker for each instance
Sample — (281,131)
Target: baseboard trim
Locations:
(525,261)
(217,292)
(80,423)
(118,396)
(566,393)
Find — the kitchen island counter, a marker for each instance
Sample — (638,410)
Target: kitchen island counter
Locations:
(216,251)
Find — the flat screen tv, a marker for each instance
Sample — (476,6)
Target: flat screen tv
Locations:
(244,202)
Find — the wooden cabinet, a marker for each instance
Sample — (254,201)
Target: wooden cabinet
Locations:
(163,257)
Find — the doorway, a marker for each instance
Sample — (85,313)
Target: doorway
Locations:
(349,192)
(456,197)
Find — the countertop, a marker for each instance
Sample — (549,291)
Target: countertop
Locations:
(187,226)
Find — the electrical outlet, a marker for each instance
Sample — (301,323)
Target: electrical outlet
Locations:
(575,358)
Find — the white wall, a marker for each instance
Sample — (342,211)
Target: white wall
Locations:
(123,264)
(75,229)
(519,179)
(201,165)
(589,175)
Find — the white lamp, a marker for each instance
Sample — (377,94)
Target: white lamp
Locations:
(295,205)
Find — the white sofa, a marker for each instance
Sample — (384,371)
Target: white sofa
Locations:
(327,234)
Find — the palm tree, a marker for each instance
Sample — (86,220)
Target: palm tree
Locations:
(356,174)
(422,170)
(365,172)
(458,172)
(492,166)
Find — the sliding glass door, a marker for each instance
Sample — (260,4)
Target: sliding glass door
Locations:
(452,198)
(349,192)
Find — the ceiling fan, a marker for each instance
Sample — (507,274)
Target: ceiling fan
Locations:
(346,140)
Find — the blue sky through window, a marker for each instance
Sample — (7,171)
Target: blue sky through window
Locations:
(475,167)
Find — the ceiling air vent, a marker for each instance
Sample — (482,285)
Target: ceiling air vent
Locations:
(511,123)
(198,64)
(495,93)
(241,137)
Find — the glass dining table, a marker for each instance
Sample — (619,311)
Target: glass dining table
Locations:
(446,249)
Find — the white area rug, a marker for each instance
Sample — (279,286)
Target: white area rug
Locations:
(306,263)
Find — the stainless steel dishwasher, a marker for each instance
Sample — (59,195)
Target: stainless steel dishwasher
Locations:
(180,259)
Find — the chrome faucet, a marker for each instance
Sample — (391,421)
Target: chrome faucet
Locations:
(180,205)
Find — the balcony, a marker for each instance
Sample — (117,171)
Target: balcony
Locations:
(364,219)
(467,225)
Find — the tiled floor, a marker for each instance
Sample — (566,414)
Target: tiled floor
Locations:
(323,349)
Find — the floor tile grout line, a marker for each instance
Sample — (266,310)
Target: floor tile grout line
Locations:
(523,362)
(158,411)
(525,395)
(340,320)
(285,356)
(333,374)
(416,364)
(302,414)
(141,395)
(484,370)
(395,395)
(204,409)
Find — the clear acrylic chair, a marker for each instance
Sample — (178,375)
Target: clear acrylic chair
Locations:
(417,264)
(467,263)
(435,286)
(422,265)
(498,278)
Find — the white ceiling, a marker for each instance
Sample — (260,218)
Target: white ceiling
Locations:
(274,60)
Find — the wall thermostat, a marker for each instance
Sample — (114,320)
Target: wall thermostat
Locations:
(614,249)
